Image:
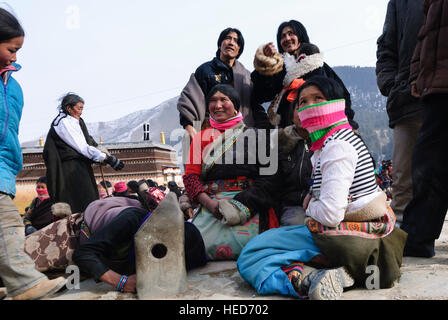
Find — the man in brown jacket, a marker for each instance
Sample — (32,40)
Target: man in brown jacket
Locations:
(424,216)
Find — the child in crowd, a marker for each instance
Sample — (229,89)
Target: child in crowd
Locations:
(39,214)
(132,188)
(105,189)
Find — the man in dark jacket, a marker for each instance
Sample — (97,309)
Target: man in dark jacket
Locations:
(424,216)
(395,48)
(222,69)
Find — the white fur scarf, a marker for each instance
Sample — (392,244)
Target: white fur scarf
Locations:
(296,69)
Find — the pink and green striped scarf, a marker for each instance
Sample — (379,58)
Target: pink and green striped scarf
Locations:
(322,120)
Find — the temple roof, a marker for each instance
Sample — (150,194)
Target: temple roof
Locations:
(117,145)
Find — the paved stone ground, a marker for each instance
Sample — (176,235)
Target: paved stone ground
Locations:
(422,279)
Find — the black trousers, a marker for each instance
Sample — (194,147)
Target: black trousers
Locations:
(424,216)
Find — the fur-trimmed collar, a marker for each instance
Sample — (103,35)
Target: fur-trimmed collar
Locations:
(296,69)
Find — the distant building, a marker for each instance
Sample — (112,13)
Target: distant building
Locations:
(143,160)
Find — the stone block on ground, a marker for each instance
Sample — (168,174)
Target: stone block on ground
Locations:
(160,253)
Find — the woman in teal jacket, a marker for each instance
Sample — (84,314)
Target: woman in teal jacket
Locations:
(11,104)
(17,270)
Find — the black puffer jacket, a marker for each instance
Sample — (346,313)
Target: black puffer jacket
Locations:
(267,87)
(395,49)
(293,177)
(290,184)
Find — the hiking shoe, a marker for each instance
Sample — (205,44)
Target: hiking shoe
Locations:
(42,290)
(327,284)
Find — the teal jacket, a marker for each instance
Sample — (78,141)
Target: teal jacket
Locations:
(11,105)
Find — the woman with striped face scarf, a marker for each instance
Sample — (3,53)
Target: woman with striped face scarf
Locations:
(349,225)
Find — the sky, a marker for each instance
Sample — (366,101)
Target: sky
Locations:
(124,56)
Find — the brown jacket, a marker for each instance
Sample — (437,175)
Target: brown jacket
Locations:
(429,64)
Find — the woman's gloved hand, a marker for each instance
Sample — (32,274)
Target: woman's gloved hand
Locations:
(210,204)
(234,212)
(114,162)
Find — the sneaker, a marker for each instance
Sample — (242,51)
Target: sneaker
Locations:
(327,284)
(42,290)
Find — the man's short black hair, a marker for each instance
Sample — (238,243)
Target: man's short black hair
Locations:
(222,36)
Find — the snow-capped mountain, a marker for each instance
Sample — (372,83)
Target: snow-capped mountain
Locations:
(163,117)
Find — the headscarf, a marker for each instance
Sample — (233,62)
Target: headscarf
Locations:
(120,187)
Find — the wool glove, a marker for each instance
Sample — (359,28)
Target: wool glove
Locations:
(114,162)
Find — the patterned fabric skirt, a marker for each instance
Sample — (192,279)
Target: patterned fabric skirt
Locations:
(373,229)
(223,242)
(51,248)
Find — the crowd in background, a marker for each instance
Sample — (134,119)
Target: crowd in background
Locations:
(384,177)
